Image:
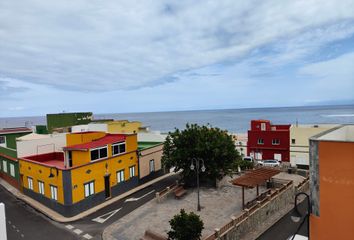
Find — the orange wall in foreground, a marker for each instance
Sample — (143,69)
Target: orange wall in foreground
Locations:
(336,172)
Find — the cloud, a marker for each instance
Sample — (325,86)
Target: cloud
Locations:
(123,45)
(7,90)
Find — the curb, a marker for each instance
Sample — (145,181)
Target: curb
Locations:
(60,218)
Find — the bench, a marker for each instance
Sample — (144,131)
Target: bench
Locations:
(150,235)
(179,192)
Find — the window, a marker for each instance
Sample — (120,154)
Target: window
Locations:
(30,183)
(118,148)
(120,176)
(70,158)
(260,141)
(89,188)
(3,141)
(263,126)
(53,192)
(41,187)
(293,141)
(98,153)
(275,141)
(12,170)
(152,165)
(132,171)
(4,166)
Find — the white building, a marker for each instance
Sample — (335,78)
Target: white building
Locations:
(240,140)
(34,144)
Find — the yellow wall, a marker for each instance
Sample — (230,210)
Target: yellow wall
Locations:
(78,138)
(98,170)
(123,126)
(29,169)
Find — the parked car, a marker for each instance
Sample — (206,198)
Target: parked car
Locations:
(248,159)
(269,163)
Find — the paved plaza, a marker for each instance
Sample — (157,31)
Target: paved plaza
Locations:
(218,207)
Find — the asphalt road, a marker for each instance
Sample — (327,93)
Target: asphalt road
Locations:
(24,222)
(285,227)
(95,229)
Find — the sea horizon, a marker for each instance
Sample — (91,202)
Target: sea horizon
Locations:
(233,120)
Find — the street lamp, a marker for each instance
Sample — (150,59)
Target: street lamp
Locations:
(197,166)
(297,216)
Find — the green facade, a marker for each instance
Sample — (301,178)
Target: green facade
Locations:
(60,120)
(8,162)
(41,129)
(11,139)
(8,157)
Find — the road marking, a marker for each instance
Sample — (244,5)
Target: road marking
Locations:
(102,219)
(69,227)
(77,231)
(87,236)
(136,199)
(22,235)
(13,226)
(9,222)
(17,230)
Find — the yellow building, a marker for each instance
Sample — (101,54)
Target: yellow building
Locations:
(94,166)
(299,142)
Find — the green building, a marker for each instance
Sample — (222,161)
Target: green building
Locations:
(63,120)
(9,169)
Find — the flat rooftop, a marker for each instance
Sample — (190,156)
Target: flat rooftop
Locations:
(341,134)
(53,159)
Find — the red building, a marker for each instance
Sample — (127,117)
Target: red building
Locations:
(267,141)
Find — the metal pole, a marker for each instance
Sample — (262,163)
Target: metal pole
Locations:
(197,164)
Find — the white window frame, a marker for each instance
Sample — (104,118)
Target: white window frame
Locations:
(260,141)
(152,165)
(4,166)
(30,183)
(263,126)
(89,188)
(4,143)
(54,192)
(120,176)
(276,141)
(41,187)
(132,171)
(118,144)
(99,157)
(12,170)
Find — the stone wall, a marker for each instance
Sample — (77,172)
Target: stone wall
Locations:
(260,215)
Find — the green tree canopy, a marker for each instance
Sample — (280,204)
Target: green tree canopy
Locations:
(186,226)
(213,145)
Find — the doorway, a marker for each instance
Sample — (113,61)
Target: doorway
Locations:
(107,186)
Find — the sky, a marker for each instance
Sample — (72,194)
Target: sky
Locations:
(144,56)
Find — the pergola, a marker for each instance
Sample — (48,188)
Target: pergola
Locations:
(253,179)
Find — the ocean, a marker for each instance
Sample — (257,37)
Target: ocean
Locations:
(233,120)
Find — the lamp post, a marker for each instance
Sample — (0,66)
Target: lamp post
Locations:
(197,166)
(298,215)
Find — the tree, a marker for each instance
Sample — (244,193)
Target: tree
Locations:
(185,226)
(215,146)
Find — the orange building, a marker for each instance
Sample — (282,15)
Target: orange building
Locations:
(332,184)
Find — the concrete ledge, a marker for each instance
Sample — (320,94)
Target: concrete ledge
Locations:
(60,218)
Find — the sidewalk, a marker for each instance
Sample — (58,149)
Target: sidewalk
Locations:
(60,218)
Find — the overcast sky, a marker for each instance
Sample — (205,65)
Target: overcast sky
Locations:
(136,56)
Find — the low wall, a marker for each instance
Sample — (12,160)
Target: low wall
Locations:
(246,222)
